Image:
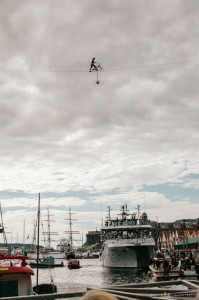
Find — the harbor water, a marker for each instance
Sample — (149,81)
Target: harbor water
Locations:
(91,274)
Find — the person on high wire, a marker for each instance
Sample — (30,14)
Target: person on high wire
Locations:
(93,66)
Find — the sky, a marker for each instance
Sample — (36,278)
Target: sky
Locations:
(131,139)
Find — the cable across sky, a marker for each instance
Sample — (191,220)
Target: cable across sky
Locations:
(104,69)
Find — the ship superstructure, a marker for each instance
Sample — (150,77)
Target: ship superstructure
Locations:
(127,240)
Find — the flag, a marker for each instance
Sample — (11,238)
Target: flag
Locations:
(28,236)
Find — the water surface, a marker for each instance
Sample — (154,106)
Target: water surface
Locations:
(91,274)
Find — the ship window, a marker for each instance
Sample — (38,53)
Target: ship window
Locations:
(9,288)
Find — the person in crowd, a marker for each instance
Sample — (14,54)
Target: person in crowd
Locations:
(174,262)
(166,267)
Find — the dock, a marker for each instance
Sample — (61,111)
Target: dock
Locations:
(172,289)
(156,290)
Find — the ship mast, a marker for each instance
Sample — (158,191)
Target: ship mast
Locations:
(49,233)
(2,228)
(34,234)
(70,231)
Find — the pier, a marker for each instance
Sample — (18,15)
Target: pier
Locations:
(174,289)
(156,290)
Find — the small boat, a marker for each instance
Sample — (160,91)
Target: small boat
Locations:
(15,276)
(74,264)
(45,288)
(17,251)
(47,262)
(162,268)
(189,270)
(70,254)
(3,251)
(189,273)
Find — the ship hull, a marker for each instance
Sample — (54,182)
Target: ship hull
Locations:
(126,256)
(56,255)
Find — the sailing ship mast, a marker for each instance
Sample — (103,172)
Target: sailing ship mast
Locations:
(34,236)
(70,231)
(2,228)
(49,233)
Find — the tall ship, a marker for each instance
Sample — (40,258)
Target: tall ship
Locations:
(47,251)
(127,240)
(69,249)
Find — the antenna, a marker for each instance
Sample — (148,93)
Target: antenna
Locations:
(109,212)
(138,208)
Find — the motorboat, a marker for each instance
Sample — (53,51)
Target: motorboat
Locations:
(74,264)
(45,253)
(48,262)
(162,267)
(188,269)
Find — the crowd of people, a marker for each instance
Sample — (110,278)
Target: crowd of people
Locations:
(170,260)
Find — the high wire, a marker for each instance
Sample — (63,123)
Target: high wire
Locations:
(105,70)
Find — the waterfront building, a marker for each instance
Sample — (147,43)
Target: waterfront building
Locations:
(93,237)
(168,235)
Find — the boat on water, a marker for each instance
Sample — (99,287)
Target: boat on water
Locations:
(163,267)
(45,288)
(127,240)
(189,267)
(17,251)
(15,273)
(69,247)
(74,264)
(48,262)
(46,251)
(15,276)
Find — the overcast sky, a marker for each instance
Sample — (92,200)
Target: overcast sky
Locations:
(131,139)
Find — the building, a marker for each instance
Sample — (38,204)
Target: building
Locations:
(169,235)
(93,237)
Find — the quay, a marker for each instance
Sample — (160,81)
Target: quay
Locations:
(47,296)
(155,290)
(151,290)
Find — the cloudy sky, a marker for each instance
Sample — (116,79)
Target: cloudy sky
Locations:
(131,139)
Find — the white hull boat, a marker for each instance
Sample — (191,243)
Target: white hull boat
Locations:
(162,267)
(127,253)
(55,255)
(127,241)
(162,274)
